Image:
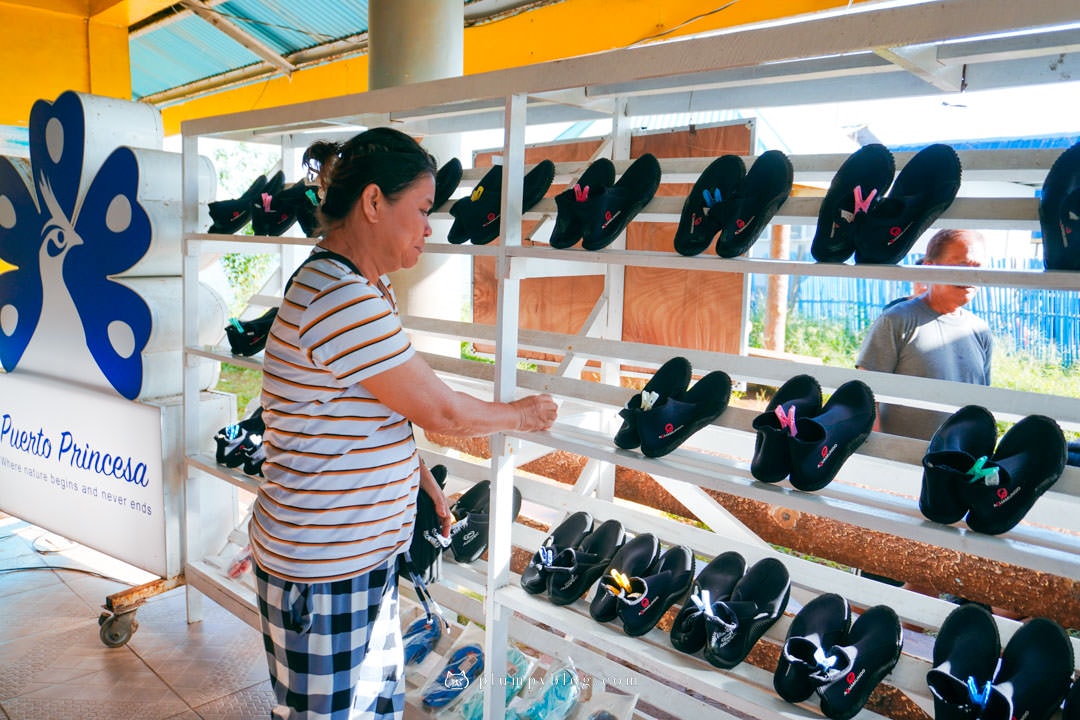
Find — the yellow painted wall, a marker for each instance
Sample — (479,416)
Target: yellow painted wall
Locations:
(110,66)
(47,51)
(43,54)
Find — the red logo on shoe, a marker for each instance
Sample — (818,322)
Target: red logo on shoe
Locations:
(851,679)
(825,453)
(1004,495)
(608,217)
(581,194)
(741,224)
(669,430)
(896,231)
(645,603)
(697,220)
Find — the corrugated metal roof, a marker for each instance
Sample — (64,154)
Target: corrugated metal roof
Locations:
(290,26)
(186,48)
(182,50)
(162,58)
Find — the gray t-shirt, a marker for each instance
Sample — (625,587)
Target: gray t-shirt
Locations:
(910,338)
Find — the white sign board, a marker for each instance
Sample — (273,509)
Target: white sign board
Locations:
(86,465)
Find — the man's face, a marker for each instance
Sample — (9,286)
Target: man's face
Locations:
(965,251)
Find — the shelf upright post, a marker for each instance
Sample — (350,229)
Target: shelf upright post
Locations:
(496,615)
(614,292)
(190,546)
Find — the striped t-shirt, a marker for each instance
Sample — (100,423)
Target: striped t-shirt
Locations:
(341,468)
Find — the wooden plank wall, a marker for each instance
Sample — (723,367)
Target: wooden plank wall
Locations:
(699,310)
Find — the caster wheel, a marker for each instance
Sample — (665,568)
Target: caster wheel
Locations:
(116,630)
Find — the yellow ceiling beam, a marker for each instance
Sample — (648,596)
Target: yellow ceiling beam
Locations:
(565,29)
(579,27)
(66,7)
(123,12)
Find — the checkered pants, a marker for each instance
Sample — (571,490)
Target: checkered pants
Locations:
(334,649)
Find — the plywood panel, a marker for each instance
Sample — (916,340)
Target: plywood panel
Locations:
(553,304)
(699,310)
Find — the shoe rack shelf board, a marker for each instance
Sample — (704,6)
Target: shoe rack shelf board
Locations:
(841,54)
(650,657)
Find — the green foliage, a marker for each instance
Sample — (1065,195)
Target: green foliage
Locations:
(830,341)
(1018,370)
(837,346)
(246,274)
(238,164)
(244,383)
(468,353)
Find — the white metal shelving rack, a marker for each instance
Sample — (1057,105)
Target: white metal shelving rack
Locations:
(873,50)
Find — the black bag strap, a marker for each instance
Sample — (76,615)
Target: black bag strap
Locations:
(431,607)
(321,255)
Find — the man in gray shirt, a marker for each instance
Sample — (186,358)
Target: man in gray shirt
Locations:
(931,335)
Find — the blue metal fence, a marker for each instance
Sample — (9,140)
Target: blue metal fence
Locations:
(1043,323)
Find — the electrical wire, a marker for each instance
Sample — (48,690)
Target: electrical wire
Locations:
(69,569)
(683,24)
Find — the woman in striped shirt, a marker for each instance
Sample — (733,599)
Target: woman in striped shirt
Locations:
(342,387)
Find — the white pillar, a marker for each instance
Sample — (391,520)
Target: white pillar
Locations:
(413,41)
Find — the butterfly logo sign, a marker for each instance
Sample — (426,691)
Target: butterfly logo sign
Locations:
(61,311)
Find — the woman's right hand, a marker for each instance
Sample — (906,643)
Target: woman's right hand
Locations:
(536,412)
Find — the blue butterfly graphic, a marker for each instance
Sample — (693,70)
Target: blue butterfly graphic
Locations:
(58,244)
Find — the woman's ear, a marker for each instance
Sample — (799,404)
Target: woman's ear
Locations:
(370,201)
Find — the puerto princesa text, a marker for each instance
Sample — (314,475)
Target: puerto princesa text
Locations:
(71,452)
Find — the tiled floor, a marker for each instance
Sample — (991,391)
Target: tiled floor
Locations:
(53,664)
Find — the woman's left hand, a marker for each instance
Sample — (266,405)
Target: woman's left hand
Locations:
(438,497)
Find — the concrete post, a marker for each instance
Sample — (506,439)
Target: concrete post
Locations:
(413,41)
